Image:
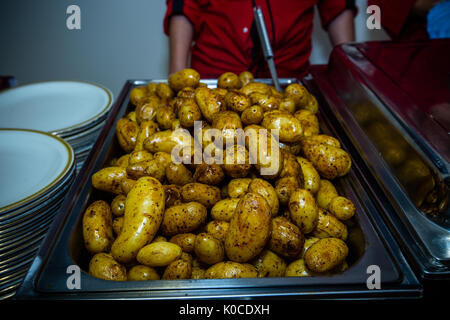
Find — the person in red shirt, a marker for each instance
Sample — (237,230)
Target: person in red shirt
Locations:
(220,36)
(405,19)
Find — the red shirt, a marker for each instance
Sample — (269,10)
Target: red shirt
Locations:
(225,38)
(396,19)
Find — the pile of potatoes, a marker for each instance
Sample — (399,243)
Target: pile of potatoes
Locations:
(168,220)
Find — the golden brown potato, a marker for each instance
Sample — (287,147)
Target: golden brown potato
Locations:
(178,174)
(298,93)
(268,264)
(227,122)
(141,273)
(208,249)
(291,168)
(159,239)
(331,162)
(237,101)
(256,87)
(145,168)
(167,140)
(308,121)
(164,117)
(224,209)
(237,161)
(127,184)
(211,174)
(287,104)
(122,161)
(329,226)
(229,80)
(118,205)
(144,209)
(289,127)
(164,92)
(312,104)
(183,218)
(342,208)
(198,273)
(326,193)
(208,102)
(310,175)
(218,229)
(249,229)
(322,139)
(109,179)
(297,268)
(126,132)
(184,78)
(151,88)
(286,239)
(292,148)
(188,112)
(246,77)
(138,156)
(205,194)
(267,102)
(252,115)
(138,94)
(146,129)
(238,187)
(117,225)
(146,109)
(265,189)
(231,269)
(284,187)
(97,227)
(131,115)
(304,211)
(326,254)
(103,266)
(185,240)
(264,151)
(159,254)
(309,241)
(172,194)
(178,269)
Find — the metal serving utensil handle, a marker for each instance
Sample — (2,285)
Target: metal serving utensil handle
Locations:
(265,44)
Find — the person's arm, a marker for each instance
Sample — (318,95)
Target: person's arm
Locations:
(181,34)
(342,29)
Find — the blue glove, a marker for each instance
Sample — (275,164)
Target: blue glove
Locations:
(438,20)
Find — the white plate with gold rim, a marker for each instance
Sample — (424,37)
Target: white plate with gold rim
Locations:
(31,164)
(57,107)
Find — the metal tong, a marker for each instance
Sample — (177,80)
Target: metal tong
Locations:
(265,44)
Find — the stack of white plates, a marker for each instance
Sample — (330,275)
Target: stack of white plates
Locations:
(73,110)
(36,171)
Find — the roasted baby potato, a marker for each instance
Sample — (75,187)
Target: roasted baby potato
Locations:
(188,112)
(289,127)
(178,269)
(237,101)
(224,209)
(308,121)
(208,249)
(141,273)
(237,162)
(209,102)
(326,254)
(297,268)
(238,187)
(178,174)
(167,140)
(144,209)
(183,218)
(103,266)
(286,239)
(109,179)
(231,269)
(245,77)
(159,254)
(138,94)
(118,205)
(267,191)
(205,194)
(211,174)
(97,227)
(252,115)
(310,175)
(229,80)
(268,264)
(249,229)
(185,240)
(326,193)
(184,78)
(284,187)
(127,132)
(329,226)
(304,211)
(218,229)
(298,93)
(342,208)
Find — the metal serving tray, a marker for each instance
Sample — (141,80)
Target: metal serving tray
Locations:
(370,244)
(425,237)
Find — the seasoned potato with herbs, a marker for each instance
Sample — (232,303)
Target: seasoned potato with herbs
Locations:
(246,77)
(208,249)
(229,80)
(286,239)
(256,87)
(188,112)
(185,240)
(237,162)
(178,174)
(184,78)
(231,269)
(205,194)
(138,156)
(238,187)
(118,205)
(311,178)
(141,273)
(342,208)
(117,225)
(103,266)
(138,94)
(209,102)
(227,122)
(127,132)
(167,140)
(249,229)
(211,174)
(164,91)
(144,209)
(146,129)
(326,254)
(146,110)
(159,254)
(252,115)
(165,117)
(304,211)
(326,193)
(284,187)
(331,162)
(298,93)
(237,101)
(218,229)
(97,227)
(224,209)
(289,127)
(178,269)
(329,226)
(182,218)
(267,191)
(268,264)
(297,268)
(109,179)
(308,121)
